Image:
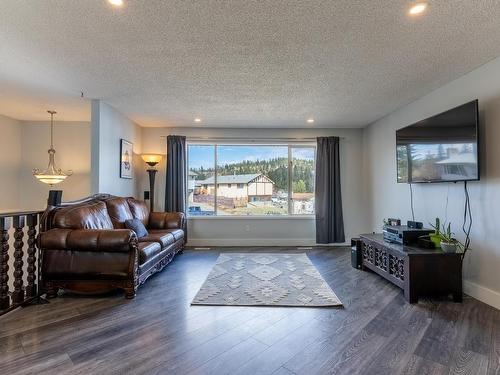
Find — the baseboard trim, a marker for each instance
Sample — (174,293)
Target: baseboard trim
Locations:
(212,242)
(481,293)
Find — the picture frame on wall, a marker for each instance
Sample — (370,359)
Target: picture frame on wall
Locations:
(126,158)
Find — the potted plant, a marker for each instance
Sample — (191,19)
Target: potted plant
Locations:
(436,238)
(448,243)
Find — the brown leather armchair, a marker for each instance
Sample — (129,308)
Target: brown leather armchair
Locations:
(86,248)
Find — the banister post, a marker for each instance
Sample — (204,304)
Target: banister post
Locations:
(31,287)
(55,198)
(4,263)
(18,294)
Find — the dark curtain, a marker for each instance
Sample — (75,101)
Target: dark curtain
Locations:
(175,195)
(329,219)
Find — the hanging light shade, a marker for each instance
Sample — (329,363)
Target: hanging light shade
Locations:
(52,175)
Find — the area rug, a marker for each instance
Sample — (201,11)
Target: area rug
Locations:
(262,279)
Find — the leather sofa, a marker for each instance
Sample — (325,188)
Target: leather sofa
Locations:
(85,247)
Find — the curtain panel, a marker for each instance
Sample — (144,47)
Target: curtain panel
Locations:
(175,194)
(329,218)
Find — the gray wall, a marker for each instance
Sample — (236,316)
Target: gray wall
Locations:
(267,231)
(72,145)
(10,163)
(108,127)
(24,146)
(389,199)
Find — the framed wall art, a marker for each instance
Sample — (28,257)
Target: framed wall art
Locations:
(126,159)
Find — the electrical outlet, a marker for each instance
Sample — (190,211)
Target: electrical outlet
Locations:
(247,228)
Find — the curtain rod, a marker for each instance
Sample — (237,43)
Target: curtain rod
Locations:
(253,139)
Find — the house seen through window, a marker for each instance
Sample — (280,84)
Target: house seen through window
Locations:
(248,180)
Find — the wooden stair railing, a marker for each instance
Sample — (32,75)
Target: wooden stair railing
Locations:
(25,251)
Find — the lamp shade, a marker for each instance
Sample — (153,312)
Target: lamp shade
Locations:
(52,174)
(151,159)
(50,179)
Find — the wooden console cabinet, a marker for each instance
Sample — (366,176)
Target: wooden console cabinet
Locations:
(417,271)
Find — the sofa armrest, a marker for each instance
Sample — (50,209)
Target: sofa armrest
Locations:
(108,240)
(166,220)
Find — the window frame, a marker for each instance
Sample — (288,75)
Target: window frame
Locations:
(289,145)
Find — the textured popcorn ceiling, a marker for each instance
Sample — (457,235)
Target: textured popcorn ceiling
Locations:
(236,63)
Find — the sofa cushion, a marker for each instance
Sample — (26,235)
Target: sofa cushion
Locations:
(91,215)
(148,250)
(139,210)
(63,264)
(177,233)
(119,211)
(166,220)
(161,236)
(137,226)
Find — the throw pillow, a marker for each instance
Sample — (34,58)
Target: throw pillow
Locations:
(137,226)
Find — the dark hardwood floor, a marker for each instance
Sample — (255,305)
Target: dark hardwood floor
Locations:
(158,332)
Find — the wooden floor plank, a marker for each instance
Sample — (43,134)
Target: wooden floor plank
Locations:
(466,362)
(421,366)
(494,354)
(229,361)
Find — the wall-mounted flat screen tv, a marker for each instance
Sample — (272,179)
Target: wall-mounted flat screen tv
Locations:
(442,148)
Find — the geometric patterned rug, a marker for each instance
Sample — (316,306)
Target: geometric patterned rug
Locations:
(265,279)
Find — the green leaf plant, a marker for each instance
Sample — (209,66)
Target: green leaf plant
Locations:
(446,235)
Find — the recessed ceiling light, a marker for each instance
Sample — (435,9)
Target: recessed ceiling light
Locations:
(417,8)
(310,120)
(197,119)
(116,3)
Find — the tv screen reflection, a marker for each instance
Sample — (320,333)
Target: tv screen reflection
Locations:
(437,162)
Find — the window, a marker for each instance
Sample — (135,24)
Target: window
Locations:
(200,194)
(250,180)
(302,199)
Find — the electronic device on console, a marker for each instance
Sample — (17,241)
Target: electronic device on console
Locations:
(403,234)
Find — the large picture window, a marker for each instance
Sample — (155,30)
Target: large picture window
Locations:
(250,180)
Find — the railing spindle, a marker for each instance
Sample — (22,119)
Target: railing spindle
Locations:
(18,294)
(4,265)
(31,288)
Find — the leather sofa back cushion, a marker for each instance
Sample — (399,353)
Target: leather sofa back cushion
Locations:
(113,240)
(139,210)
(119,211)
(165,220)
(93,215)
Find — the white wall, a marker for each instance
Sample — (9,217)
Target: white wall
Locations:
(108,127)
(10,163)
(389,199)
(72,145)
(232,192)
(268,231)
(260,188)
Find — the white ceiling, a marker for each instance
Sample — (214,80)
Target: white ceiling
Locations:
(238,63)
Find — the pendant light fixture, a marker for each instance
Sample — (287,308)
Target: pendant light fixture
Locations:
(52,175)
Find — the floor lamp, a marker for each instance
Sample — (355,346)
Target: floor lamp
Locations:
(152,160)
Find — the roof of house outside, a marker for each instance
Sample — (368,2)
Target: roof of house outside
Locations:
(232,179)
(465,158)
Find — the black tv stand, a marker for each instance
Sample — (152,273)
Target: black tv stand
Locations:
(416,270)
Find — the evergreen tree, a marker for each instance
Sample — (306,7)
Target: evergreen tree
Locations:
(276,169)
